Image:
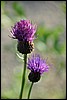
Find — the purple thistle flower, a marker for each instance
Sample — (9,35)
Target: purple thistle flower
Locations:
(37,66)
(24,32)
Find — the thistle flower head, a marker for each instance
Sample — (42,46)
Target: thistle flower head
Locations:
(23,30)
(37,66)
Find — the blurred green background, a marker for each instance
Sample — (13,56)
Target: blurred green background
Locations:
(50,18)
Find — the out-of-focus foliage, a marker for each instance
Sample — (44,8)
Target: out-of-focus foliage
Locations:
(2,4)
(51,37)
(18,9)
(17,12)
(63,7)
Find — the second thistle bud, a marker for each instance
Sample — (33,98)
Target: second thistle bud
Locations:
(34,77)
(25,47)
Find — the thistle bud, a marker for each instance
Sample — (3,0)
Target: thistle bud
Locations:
(25,47)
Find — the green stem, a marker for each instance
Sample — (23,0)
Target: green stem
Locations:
(23,78)
(30,90)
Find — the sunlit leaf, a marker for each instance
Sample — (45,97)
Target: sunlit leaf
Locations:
(21,57)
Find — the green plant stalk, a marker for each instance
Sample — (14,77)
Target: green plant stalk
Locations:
(30,90)
(23,77)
